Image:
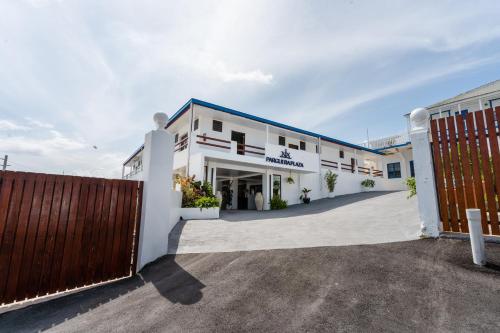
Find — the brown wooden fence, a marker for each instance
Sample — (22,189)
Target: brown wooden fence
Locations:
(467,168)
(62,232)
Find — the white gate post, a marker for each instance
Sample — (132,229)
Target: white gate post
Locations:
(424,174)
(476,236)
(157,198)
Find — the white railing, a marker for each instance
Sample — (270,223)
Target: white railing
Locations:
(389,141)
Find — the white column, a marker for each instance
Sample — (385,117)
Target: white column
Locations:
(265,190)
(320,175)
(190,132)
(157,198)
(424,174)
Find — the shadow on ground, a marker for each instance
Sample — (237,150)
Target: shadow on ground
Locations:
(170,280)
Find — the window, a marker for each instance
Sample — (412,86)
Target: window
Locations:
(184,142)
(394,170)
(412,169)
(276,186)
(341,153)
(281,141)
(195,124)
(217,126)
(302,145)
(292,146)
(176,137)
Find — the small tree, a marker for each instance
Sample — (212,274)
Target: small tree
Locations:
(331,180)
(412,186)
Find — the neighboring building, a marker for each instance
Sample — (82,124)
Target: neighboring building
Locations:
(478,99)
(245,154)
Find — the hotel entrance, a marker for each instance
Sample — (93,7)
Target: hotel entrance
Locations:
(238,188)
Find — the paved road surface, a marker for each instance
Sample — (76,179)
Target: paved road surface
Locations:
(363,218)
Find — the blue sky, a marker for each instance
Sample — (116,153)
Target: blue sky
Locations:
(78,74)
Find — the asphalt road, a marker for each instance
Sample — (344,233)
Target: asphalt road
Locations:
(422,285)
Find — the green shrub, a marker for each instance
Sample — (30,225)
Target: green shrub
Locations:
(331,180)
(412,186)
(206,202)
(278,203)
(370,183)
(193,190)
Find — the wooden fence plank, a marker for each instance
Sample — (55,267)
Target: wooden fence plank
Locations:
(438,172)
(5,195)
(457,174)
(495,158)
(445,153)
(137,226)
(31,237)
(87,231)
(466,168)
(122,267)
(476,170)
(110,226)
(96,231)
(131,226)
(69,243)
(9,234)
(48,255)
(62,229)
(486,169)
(78,238)
(98,275)
(16,261)
(118,227)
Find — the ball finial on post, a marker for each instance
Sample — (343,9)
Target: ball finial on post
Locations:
(160,120)
(419,119)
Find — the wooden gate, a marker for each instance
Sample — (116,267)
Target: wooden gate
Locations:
(467,168)
(62,232)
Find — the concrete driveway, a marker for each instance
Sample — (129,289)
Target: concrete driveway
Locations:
(363,218)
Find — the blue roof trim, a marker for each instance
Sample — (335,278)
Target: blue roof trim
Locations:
(395,146)
(137,151)
(185,107)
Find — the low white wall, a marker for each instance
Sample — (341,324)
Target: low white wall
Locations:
(199,213)
(175,207)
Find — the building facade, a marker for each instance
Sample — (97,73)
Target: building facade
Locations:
(241,154)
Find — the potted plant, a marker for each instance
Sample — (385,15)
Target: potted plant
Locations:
(331,180)
(304,196)
(290,180)
(198,200)
(368,184)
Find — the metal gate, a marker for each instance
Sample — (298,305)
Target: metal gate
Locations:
(467,168)
(62,232)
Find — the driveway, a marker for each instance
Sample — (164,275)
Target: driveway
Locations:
(362,218)
(416,286)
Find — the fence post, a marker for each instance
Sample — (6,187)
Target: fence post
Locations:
(430,224)
(157,198)
(476,236)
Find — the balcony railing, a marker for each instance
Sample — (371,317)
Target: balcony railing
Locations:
(243,149)
(181,145)
(330,164)
(213,142)
(364,170)
(386,142)
(377,173)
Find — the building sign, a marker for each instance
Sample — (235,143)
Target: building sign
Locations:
(285,159)
(281,157)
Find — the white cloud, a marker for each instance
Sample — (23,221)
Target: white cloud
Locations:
(97,71)
(11,126)
(38,123)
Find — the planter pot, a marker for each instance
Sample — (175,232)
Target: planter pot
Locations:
(306,200)
(259,201)
(331,195)
(218,195)
(367,189)
(199,213)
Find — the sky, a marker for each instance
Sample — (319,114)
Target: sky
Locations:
(80,80)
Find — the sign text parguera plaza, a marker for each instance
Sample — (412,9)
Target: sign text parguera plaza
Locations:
(284,159)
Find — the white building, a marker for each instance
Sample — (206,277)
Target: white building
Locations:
(245,154)
(475,100)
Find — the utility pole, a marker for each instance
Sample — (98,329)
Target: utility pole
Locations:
(4,167)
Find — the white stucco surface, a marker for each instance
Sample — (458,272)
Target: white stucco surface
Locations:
(362,218)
